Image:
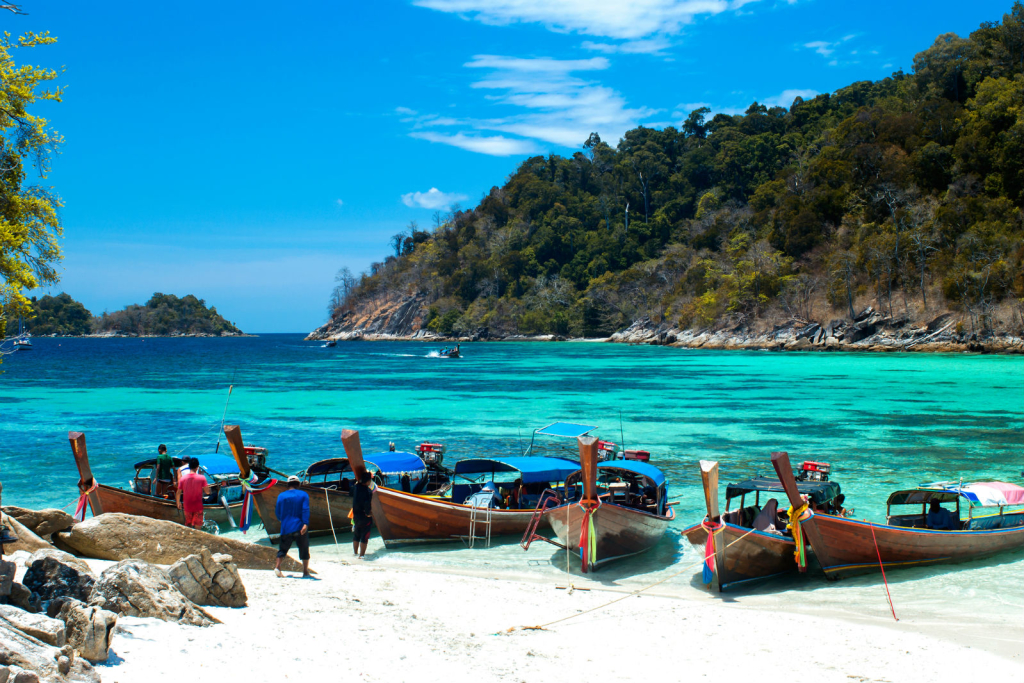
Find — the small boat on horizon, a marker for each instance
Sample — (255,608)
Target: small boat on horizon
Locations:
(928,534)
(329,344)
(450,352)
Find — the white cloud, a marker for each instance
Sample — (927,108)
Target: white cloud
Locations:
(822,47)
(339,202)
(545,102)
(786,97)
(432,199)
(647,46)
(495,145)
(605,18)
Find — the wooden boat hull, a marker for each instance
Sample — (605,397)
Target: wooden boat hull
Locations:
(328,510)
(621,531)
(409,518)
(113,499)
(848,547)
(758,556)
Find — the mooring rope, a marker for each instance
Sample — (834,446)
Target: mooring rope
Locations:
(880,566)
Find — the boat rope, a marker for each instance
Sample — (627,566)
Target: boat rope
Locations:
(250,488)
(880,566)
(330,517)
(796,519)
(542,627)
(214,425)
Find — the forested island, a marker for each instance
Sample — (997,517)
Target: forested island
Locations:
(885,209)
(164,315)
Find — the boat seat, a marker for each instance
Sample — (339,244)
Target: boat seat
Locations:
(769,516)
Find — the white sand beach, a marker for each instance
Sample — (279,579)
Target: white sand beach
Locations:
(364,621)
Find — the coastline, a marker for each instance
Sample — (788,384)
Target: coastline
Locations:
(388,623)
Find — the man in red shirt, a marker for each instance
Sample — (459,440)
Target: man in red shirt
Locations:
(189,494)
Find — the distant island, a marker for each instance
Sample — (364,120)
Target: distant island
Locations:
(887,214)
(164,315)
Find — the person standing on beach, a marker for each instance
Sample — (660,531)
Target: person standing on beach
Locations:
(362,514)
(292,511)
(166,475)
(192,487)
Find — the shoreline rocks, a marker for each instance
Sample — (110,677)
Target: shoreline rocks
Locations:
(138,589)
(117,536)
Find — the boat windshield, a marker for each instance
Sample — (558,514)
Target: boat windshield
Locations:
(559,430)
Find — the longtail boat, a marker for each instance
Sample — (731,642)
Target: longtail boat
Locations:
(329,503)
(223,505)
(994,523)
(403,517)
(623,510)
(752,543)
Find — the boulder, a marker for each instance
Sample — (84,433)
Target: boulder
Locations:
(62,557)
(88,629)
(41,522)
(207,579)
(40,627)
(52,578)
(23,598)
(27,540)
(28,658)
(138,589)
(117,536)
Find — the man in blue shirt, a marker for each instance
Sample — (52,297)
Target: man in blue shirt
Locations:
(939,517)
(292,511)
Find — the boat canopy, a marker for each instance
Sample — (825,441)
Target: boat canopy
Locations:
(819,492)
(397,462)
(982,494)
(532,469)
(213,464)
(642,468)
(327,467)
(569,430)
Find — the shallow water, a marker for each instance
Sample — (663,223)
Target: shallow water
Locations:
(885,421)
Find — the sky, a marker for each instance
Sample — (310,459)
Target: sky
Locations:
(245,152)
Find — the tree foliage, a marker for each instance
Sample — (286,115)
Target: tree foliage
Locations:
(60,315)
(166,315)
(29,213)
(906,189)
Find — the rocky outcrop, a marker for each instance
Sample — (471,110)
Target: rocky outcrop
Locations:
(398,318)
(868,331)
(27,658)
(27,539)
(138,589)
(207,579)
(39,626)
(117,536)
(49,578)
(87,628)
(41,522)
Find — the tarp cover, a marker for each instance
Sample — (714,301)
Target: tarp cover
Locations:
(329,466)
(532,469)
(568,430)
(991,493)
(397,462)
(214,464)
(647,470)
(818,491)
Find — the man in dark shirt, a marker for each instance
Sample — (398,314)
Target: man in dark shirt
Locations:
(166,475)
(292,511)
(362,514)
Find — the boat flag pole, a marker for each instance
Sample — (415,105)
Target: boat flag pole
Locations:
(622,435)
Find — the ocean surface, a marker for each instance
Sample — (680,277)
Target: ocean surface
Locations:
(884,421)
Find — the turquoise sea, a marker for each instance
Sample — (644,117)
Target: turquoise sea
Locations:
(884,421)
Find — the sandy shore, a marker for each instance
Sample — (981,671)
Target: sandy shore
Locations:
(362,621)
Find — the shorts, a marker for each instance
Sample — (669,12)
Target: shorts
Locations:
(301,540)
(194,519)
(361,529)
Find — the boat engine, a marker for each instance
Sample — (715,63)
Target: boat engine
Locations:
(606,450)
(430,453)
(642,456)
(814,471)
(257,456)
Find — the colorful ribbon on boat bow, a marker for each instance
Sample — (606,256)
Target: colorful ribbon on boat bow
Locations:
(588,538)
(250,487)
(83,500)
(708,573)
(795,518)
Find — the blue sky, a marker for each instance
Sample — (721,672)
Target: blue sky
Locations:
(244,152)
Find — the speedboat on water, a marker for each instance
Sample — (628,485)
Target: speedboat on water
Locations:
(450,352)
(329,344)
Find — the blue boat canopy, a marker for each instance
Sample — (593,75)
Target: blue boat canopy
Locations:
(642,468)
(214,464)
(397,462)
(568,430)
(532,469)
